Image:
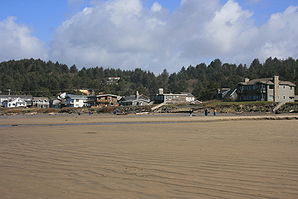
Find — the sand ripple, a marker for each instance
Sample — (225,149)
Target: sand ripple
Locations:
(242,159)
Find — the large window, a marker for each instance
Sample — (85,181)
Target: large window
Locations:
(271,86)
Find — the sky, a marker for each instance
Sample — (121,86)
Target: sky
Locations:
(148,34)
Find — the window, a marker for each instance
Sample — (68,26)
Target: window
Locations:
(284,97)
(77,100)
(271,87)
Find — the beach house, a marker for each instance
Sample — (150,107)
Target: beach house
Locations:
(134,100)
(40,102)
(172,98)
(8,98)
(76,101)
(14,103)
(102,100)
(266,89)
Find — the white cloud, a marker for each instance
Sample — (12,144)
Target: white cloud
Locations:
(156,7)
(113,34)
(16,42)
(280,34)
(229,27)
(125,34)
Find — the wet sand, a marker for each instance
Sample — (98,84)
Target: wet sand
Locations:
(204,158)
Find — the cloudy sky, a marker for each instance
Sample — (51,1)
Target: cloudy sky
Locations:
(148,34)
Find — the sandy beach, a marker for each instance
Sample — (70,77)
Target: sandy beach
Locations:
(105,156)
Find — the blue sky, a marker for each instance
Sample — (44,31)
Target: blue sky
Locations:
(129,33)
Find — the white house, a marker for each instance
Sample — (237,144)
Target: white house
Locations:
(13,103)
(40,102)
(75,100)
(26,98)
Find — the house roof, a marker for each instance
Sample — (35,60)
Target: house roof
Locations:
(105,95)
(131,98)
(16,96)
(18,99)
(261,80)
(40,98)
(180,94)
(268,81)
(287,83)
(76,96)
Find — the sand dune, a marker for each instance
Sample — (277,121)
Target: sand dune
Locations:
(219,159)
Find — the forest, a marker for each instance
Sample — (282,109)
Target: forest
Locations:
(40,78)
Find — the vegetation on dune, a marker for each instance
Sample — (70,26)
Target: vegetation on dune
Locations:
(40,78)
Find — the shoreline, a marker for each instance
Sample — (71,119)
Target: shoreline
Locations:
(108,119)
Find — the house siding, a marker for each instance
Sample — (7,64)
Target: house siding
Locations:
(266,89)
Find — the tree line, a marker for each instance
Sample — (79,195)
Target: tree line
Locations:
(39,78)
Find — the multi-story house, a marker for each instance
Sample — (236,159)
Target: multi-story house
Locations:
(266,89)
(75,100)
(102,100)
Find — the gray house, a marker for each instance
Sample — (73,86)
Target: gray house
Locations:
(134,100)
(266,89)
(172,98)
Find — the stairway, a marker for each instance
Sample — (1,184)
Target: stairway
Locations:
(157,106)
(279,105)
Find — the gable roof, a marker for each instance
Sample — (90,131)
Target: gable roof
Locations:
(82,97)
(135,98)
(287,83)
(16,96)
(107,95)
(40,98)
(268,81)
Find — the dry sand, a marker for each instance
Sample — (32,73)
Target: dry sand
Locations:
(120,158)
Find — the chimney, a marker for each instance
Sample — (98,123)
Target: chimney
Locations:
(246,80)
(160,91)
(276,88)
(137,94)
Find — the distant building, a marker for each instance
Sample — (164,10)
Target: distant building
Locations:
(174,98)
(103,99)
(222,92)
(40,102)
(85,91)
(266,89)
(14,103)
(134,100)
(113,80)
(26,98)
(75,100)
(227,94)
